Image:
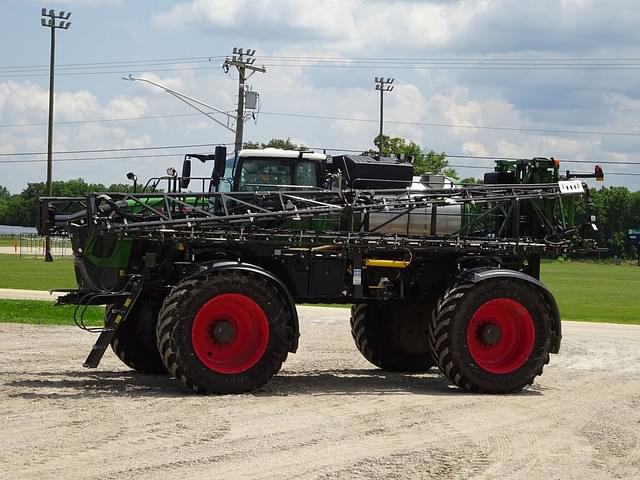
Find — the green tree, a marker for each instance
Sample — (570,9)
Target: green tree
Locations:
(19,211)
(471,181)
(433,162)
(4,193)
(617,210)
(423,161)
(3,210)
(275,143)
(120,187)
(22,209)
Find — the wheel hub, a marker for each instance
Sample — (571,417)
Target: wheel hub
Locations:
(489,334)
(223,332)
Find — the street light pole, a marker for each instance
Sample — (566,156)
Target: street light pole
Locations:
(53,21)
(384,86)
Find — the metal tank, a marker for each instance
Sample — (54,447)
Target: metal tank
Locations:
(448,219)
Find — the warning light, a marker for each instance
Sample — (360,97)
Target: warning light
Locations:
(556,162)
(599,174)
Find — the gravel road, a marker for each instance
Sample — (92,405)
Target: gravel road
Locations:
(328,414)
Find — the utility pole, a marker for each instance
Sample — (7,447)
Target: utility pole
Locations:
(53,21)
(243,61)
(384,86)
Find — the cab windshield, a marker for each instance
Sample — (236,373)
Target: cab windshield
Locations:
(277,174)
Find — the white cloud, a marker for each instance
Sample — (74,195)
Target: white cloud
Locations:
(22,99)
(350,24)
(81,105)
(91,3)
(123,107)
(24,102)
(324,19)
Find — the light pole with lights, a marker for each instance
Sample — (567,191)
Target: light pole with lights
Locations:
(52,20)
(384,85)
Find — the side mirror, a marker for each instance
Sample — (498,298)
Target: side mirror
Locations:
(219,161)
(186,173)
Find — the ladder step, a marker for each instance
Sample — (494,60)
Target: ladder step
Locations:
(117,315)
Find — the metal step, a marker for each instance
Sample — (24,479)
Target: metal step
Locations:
(117,315)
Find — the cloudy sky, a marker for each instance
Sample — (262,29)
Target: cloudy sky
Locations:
(486,78)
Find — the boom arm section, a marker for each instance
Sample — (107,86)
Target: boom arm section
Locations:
(518,212)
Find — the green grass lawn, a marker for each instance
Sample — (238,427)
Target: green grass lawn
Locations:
(45,313)
(592,292)
(6,242)
(29,273)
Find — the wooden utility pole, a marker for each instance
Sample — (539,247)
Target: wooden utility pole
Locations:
(243,61)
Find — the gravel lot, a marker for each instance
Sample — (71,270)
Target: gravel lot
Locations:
(328,414)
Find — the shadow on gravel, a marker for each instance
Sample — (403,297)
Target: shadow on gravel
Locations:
(81,384)
(365,382)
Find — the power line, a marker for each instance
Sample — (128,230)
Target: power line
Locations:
(159,155)
(118,72)
(527,61)
(157,61)
(343,64)
(448,125)
(102,120)
(348,119)
(88,159)
(166,147)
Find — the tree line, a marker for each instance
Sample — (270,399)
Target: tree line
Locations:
(617,209)
(21,209)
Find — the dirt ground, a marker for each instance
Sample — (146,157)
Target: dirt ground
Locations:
(328,414)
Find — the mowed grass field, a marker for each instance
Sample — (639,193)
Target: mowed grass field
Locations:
(592,292)
(30,273)
(37,312)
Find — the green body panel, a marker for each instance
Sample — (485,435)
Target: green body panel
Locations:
(117,257)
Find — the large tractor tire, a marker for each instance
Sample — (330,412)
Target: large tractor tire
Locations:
(134,343)
(493,336)
(393,337)
(224,332)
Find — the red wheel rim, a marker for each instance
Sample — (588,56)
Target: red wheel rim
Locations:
(230,333)
(501,335)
